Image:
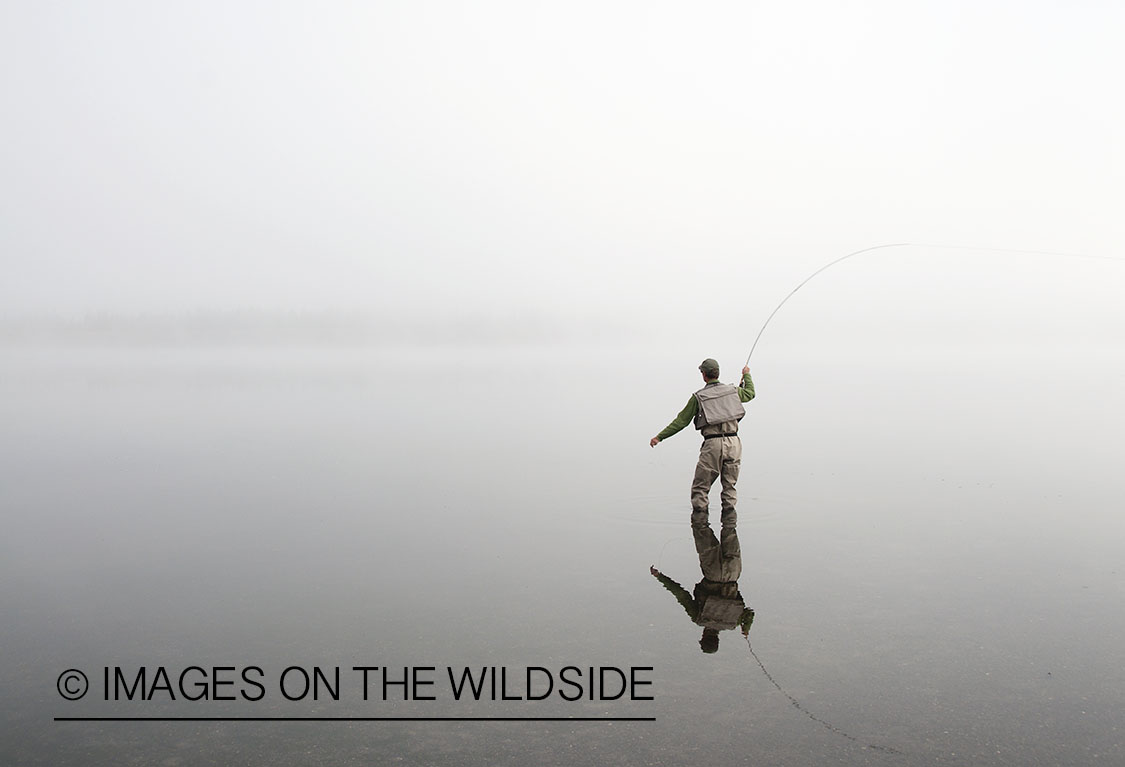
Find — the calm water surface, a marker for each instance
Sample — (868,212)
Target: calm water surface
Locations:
(931,544)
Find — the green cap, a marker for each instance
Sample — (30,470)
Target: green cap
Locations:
(710,368)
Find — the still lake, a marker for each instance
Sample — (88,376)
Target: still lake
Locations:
(931,542)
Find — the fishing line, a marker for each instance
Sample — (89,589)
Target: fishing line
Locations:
(797,705)
(910,245)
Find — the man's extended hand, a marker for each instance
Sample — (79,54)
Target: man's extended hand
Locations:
(745,370)
(652,442)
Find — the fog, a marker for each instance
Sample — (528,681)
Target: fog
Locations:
(453,159)
(336,335)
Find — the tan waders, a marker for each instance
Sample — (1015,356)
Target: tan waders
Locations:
(720,457)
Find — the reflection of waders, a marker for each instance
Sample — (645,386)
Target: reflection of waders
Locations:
(720,558)
(720,456)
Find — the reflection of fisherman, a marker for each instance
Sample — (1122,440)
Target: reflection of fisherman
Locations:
(716,603)
(716,410)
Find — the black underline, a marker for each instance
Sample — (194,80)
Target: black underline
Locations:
(355,718)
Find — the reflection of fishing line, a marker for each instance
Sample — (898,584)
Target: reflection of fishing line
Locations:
(910,245)
(797,705)
(660,559)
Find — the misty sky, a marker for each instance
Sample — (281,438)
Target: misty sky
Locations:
(444,157)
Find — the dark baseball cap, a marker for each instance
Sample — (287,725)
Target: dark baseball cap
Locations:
(709,367)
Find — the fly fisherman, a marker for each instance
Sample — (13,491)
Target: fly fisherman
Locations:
(716,410)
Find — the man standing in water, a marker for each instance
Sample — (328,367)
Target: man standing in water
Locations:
(716,410)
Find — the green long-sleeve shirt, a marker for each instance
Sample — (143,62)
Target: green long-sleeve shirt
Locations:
(745,394)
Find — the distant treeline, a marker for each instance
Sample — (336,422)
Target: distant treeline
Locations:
(254,328)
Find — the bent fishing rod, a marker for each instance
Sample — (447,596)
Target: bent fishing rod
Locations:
(830,264)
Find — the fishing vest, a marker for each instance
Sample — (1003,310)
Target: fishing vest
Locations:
(719,410)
